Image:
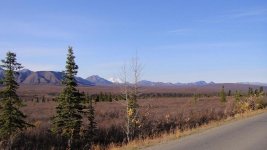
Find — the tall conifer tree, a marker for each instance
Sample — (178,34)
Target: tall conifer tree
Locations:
(68,119)
(91,128)
(223,95)
(12,120)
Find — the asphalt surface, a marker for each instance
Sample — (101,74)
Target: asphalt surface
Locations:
(248,134)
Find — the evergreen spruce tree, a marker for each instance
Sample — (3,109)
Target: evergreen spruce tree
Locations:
(91,128)
(229,93)
(237,96)
(110,97)
(12,120)
(68,119)
(261,89)
(223,95)
(250,91)
(257,93)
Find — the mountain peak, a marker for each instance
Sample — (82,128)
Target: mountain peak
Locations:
(200,83)
(97,80)
(115,80)
(94,76)
(212,82)
(25,71)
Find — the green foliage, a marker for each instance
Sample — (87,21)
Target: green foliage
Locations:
(12,120)
(256,92)
(261,90)
(92,125)
(250,91)
(237,96)
(104,97)
(223,95)
(229,93)
(68,119)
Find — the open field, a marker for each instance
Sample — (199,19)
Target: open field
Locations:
(156,115)
(28,92)
(109,113)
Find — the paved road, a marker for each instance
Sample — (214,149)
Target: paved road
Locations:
(248,134)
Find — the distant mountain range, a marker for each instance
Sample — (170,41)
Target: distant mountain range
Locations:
(43,77)
(253,83)
(150,83)
(54,78)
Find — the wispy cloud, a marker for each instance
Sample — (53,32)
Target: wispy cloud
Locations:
(249,13)
(204,46)
(238,14)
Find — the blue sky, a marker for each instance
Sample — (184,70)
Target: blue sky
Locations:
(177,41)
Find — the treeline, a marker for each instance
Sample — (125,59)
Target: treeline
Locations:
(256,92)
(109,97)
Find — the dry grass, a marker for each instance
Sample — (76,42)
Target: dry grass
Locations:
(50,91)
(177,134)
(111,113)
(162,119)
(159,116)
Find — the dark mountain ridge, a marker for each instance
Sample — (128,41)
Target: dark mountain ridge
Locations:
(55,78)
(29,77)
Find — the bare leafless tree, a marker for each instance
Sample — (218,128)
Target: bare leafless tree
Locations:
(130,92)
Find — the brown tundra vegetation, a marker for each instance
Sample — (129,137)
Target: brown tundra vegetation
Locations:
(156,115)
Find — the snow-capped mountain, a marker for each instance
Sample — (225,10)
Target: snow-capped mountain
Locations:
(115,80)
